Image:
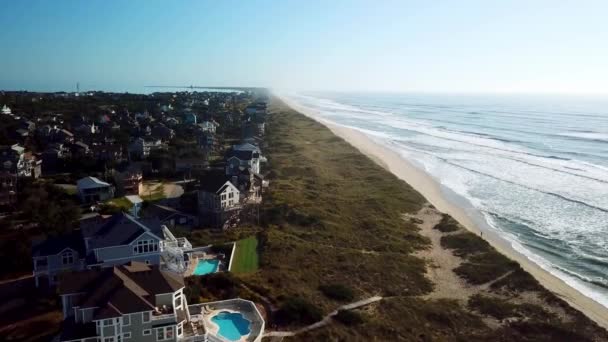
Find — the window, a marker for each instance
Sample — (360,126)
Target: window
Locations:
(108,339)
(164,333)
(178,302)
(230,203)
(145,246)
(126,335)
(223,197)
(145,316)
(179,330)
(126,320)
(146,332)
(108,322)
(67,258)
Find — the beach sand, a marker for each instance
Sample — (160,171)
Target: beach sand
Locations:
(431,190)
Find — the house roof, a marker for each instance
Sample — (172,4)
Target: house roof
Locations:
(119,229)
(91,183)
(162,212)
(241,154)
(121,289)
(213,182)
(56,244)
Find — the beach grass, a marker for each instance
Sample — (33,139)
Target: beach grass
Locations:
(333,216)
(246,256)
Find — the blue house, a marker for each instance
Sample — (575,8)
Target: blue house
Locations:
(106,242)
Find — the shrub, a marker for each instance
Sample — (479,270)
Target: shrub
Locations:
(465,244)
(337,292)
(298,310)
(348,317)
(447,224)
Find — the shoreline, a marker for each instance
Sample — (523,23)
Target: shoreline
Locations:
(431,190)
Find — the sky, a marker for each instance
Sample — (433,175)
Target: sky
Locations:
(460,46)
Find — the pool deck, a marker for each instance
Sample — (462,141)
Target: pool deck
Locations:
(203,313)
(194,259)
(214,329)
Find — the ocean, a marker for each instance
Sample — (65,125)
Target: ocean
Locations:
(535,168)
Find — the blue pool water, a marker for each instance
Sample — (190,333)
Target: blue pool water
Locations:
(233,326)
(206,267)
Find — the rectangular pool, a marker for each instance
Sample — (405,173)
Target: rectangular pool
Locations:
(206,266)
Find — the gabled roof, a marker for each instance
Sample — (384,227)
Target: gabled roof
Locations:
(56,244)
(91,183)
(242,154)
(119,229)
(120,290)
(162,212)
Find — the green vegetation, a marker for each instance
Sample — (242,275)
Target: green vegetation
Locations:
(246,256)
(500,308)
(298,310)
(332,216)
(337,292)
(348,317)
(447,224)
(120,203)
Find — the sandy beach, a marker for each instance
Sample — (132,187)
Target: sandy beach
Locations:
(433,192)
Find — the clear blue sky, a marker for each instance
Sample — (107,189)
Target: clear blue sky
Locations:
(443,46)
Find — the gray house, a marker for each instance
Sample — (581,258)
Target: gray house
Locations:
(134,302)
(100,241)
(140,303)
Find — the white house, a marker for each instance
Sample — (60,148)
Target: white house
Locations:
(92,189)
(6,110)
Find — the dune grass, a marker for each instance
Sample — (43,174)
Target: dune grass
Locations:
(332,216)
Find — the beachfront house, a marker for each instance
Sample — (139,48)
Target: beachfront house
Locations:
(239,160)
(92,189)
(140,303)
(218,200)
(134,302)
(105,242)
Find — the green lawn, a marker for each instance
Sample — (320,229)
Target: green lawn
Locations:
(246,256)
(121,202)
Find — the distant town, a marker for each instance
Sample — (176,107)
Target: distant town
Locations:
(111,200)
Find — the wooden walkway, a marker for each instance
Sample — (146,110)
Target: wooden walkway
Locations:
(326,320)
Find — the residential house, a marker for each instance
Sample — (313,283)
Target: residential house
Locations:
(129,181)
(142,148)
(92,189)
(209,126)
(54,255)
(15,160)
(132,302)
(171,217)
(218,201)
(6,110)
(102,242)
(239,160)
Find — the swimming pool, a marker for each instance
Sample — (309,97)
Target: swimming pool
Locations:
(206,267)
(232,325)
